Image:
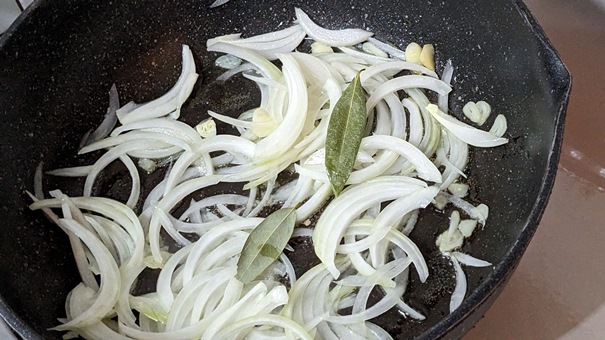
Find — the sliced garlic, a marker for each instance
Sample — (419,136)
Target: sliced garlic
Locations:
(440,202)
(427,57)
(485,108)
(467,227)
(412,53)
(477,112)
(480,212)
(454,221)
(472,112)
(447,242)
(458,189)
(500,126)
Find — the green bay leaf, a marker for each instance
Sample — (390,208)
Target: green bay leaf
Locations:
(345,131)
(265,243)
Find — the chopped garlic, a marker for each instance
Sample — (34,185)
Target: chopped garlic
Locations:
(207,128)
(370,48)
(454,221)
(427,57)
(480,212)
(458,189)
(412,53)
(447,243)
(150,262)
(319,47)
(467,227)
(147,164)
(440,202)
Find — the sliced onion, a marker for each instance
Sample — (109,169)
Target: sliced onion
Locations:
(468,260)
(446,77)
(416,127)
(107,295)
(205,282)
(218,3)
(393,213)
(460,289)
(426,169)
(76,171)
(78,301)
(269,45)
(236,70)
(289,129)
(230,199)
(170,103)
(166,126)
(387,302)
(366,57)
(230,144)
(210,240)
(466,133)
(265,66)
(345,37)
(109,120)
(377,332)
(268,319)
(344,209)
(432,130)
(391,50)
(394,67)
(407,82)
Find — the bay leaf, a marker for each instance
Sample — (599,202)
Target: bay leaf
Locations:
(345,131)
(265,243)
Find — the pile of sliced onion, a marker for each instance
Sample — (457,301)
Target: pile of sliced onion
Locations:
(414,151)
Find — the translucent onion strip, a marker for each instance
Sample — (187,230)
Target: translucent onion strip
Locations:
(345,37)
(171,102)
(287,324)
(460,289)
(466,133)
(107,295)
(269,45)
(290,128)
(344,209)
(406,82)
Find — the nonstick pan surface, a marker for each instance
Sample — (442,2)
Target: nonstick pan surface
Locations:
(61,57)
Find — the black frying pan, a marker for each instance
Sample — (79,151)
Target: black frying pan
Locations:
(60,58)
